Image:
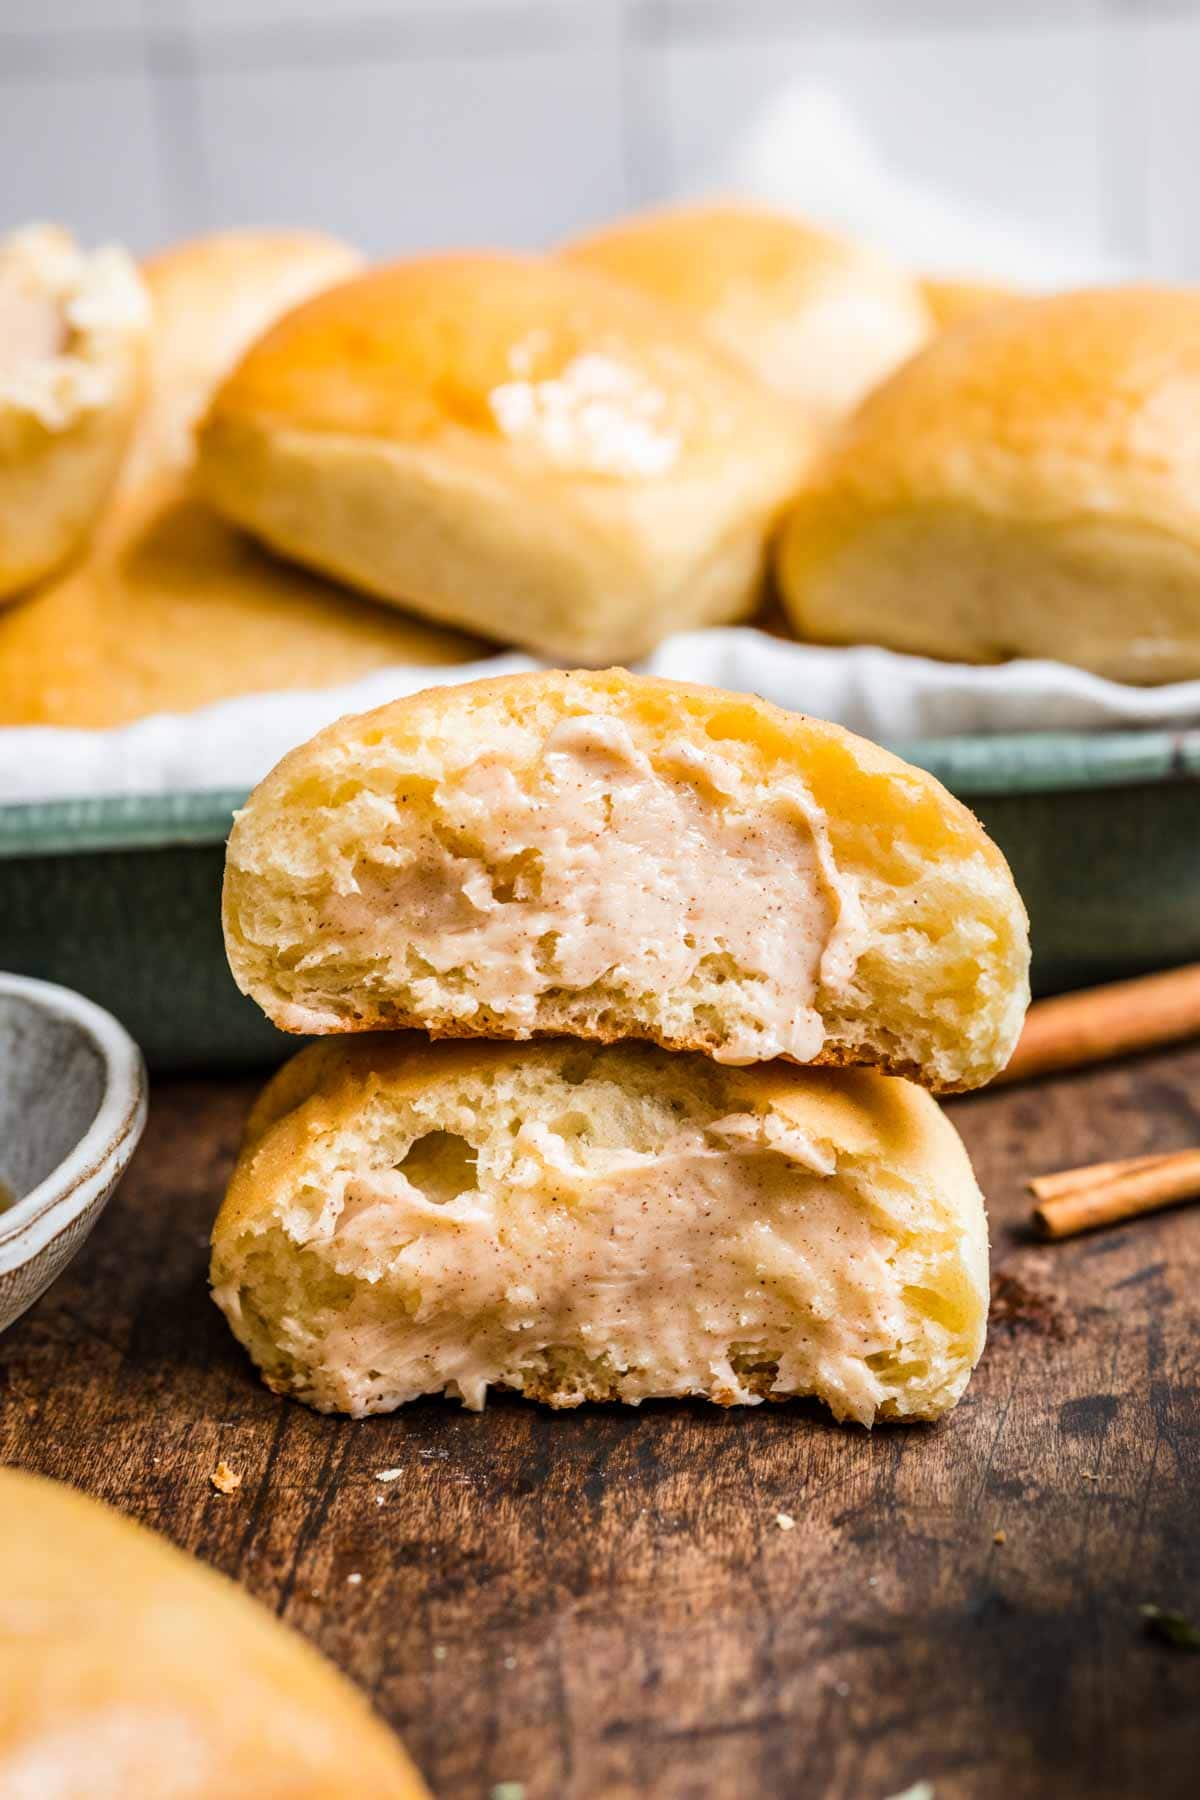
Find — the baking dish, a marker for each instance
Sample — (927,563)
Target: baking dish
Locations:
(120,898)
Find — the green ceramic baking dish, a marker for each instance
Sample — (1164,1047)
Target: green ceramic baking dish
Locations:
(120,898)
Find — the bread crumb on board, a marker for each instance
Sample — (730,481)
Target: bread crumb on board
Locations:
(388,1474)
(785,1521)
(225,1479)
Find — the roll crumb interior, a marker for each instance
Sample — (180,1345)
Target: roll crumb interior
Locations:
(579,1223)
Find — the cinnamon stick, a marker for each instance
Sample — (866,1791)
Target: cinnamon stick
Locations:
(1159,1182)
(1090,1175)
(1075,1029)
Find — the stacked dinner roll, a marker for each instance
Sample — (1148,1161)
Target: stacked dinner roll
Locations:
(131,1672)
(820,318)
(513,445)
(691,946)
(1025,486)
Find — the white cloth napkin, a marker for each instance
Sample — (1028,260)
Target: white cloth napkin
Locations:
(807,151)
(884,696)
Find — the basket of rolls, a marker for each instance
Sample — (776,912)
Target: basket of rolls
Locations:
(254,487)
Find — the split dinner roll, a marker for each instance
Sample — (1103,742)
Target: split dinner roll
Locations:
(1027,486)
(579,1223)
(73,331)
(130,1672)
(172,608)
(612,856)
(510,445)
(820,318)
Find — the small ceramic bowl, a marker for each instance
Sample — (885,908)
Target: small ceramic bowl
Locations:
(72,1108)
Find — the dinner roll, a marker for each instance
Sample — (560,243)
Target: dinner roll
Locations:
(950,301)
(511,445)
(176,610)
(212,297)
(131,1672)
(72,350)
(613,856)
(173,608)
(821,318)
(1024,487)
(588,1223)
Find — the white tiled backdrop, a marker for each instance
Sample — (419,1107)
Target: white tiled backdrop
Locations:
(403,123)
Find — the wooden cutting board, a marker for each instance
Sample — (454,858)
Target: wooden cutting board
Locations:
(606,1602)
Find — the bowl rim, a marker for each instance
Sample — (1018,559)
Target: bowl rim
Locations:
(100,1155)
(1030,762)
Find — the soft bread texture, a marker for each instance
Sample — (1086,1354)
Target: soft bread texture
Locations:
(172,608)
(819,317)
(1024,487)
(950,301)
(73,330)
(611,856)
(586,1223)
(510,445)
(130,1672)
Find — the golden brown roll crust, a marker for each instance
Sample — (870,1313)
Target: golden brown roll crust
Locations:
(611,856)
(173,609)
(73,330)
(820,318)
(130,1670)
(511,445)
(1024,487)
(212,297)
(588,1223)
(951,301)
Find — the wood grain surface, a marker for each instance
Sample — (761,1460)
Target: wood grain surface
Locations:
(602,1602)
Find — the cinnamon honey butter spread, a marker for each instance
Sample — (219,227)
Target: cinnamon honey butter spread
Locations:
(733,1212)
(67,320)
(580,1222)
(616,863)
(610,856)
(31,326)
